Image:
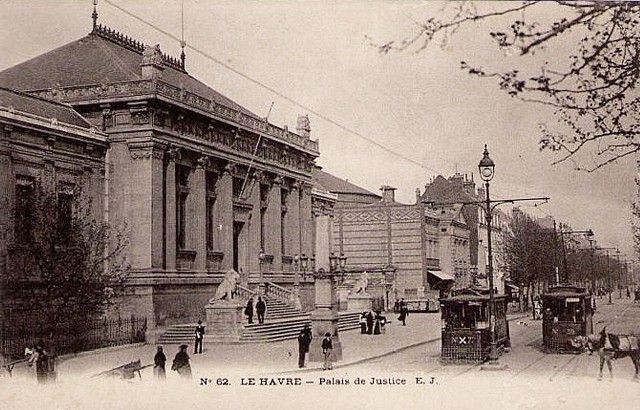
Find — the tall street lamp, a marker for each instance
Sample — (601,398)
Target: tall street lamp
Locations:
(608,272)
(486,168)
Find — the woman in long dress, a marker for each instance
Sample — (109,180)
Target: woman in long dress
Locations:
(181,363)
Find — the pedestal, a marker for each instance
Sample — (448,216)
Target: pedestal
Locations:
(322,322)
(324,319)
(342,294)
(359,302)
(224,322)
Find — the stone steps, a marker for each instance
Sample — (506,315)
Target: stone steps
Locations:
(274,329)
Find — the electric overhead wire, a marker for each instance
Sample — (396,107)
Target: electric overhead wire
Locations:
(285,97)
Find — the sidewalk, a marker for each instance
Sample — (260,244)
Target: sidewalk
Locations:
(259,358)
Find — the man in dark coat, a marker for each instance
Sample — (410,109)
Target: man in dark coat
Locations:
(304,340)
(248,310)
(369,323)
(327,348)
(158,364)
(199,337)
(261,307)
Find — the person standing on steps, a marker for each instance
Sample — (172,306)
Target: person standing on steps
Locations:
(248,310)
(199,337)
(261,307)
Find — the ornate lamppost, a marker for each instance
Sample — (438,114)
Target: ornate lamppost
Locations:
(304,265)
(487,169)
(342,263)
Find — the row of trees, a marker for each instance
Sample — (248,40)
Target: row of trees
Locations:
(536,256)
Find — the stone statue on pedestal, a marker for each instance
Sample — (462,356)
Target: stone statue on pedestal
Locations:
(360,285)
(227,287)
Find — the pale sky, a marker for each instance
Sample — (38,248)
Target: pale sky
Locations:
(420,105)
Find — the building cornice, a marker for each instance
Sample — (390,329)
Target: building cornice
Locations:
(155,88)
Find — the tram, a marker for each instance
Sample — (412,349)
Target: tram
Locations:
(566,313)
(466,336)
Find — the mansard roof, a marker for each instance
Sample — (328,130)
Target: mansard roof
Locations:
(54,111)
(104,56)
(442,190)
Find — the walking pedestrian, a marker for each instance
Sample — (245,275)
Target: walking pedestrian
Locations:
(181,363)
(158,364)
(404,312)
(199,337)
(327,348)
(377,324)
(41,359)
(261,307)
(248,310)
(363,323)
(304,340)
(369,323)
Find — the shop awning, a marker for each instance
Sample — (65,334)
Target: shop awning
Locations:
(513,287)
(441,275)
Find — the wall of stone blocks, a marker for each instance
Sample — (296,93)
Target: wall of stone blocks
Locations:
(181,304)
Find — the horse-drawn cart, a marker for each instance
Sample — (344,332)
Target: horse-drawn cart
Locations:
(566,313)
(466,336)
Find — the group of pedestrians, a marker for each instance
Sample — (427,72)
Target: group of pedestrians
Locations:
(304,341)
(181,363)
(43,362)
(261,309)
(372,323)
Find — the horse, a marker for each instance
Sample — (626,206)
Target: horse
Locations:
(611,346)
(227,287)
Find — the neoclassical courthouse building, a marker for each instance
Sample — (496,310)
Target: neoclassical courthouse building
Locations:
(201,184)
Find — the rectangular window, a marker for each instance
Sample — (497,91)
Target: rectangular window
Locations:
(182,192)
(212,179)
(24,205)
(264,203)
(237,186)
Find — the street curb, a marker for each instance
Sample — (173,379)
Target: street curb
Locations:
(100,351)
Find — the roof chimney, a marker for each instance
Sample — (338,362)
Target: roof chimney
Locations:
(151,64)
(388,194)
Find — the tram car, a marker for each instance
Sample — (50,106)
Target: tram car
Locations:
(566,313)
(466,336)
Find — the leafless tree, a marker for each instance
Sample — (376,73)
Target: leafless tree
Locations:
(592,86)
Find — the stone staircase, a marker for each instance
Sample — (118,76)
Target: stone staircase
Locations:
(282,322)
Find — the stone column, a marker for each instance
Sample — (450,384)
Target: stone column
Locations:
(224,217)
(170,246)
(198,194)
(293,222)
(145,209)
(253,226)
(273,225)
(305,220)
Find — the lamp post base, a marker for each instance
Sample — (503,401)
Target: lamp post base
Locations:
(493,363)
